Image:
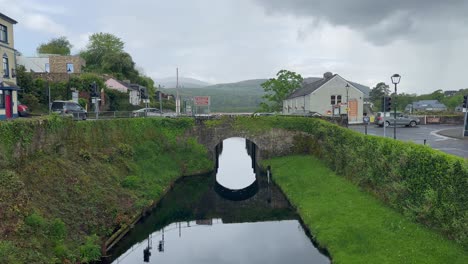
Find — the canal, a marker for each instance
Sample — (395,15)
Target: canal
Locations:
(233,215)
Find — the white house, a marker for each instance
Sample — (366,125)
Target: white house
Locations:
(331,95)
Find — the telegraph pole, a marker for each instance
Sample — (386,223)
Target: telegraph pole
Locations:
(177,92)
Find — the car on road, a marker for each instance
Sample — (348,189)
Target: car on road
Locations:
(69,108)
(401,119)
(23,110)
(146,112)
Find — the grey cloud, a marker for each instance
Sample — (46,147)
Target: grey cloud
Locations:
(379,21)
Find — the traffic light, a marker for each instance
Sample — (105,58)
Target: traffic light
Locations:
(465,101)
(387,103)
(93,89)
(144,93)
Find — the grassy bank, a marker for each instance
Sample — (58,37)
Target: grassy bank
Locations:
(353,225)
(67,186)
(425,185)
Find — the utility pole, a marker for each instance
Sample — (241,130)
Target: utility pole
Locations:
(160,100)
(177,92)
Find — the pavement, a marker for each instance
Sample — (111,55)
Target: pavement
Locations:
(453,133)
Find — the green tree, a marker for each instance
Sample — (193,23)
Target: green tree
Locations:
(99,46)
(278,89)
(59,46)
(376,94)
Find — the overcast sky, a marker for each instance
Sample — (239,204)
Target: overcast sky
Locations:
(365,41)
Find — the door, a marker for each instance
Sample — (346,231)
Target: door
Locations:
(8,104)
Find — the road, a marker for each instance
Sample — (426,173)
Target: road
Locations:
(418,134)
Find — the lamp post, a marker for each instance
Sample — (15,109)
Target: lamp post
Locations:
(395,80)
(68,86)
(347,104)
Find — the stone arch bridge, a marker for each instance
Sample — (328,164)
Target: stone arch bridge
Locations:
(271,143)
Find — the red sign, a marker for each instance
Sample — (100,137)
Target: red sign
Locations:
(202,100)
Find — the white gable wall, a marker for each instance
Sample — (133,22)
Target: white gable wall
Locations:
(320,100)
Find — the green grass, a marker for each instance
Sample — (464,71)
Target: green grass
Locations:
(354,226)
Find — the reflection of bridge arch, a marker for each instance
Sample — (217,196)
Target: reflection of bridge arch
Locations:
(237,195)
(245,192)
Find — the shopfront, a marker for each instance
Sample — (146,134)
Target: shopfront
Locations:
(8,102)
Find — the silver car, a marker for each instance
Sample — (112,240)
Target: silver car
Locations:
(402,120)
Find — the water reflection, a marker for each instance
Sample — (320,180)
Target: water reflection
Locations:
(235,164)
(195,223)
(212,241)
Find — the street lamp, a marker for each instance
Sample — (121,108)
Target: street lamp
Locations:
(347,104)
(68,86)
(395,80)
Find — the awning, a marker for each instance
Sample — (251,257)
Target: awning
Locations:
(9,86)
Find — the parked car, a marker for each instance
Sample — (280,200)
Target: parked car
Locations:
(146,112)
(68,108)
(402,120)
(23,110)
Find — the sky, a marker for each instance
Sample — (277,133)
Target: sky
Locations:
(221,41)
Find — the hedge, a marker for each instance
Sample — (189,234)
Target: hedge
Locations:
(426,185)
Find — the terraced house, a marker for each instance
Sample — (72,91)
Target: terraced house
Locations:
(8,88)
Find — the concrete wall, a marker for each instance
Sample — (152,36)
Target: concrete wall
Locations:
(33,64)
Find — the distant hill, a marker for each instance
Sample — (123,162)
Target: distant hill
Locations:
(184,82)
(244,96)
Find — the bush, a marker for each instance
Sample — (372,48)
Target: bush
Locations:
(90,251)
(131,182)
(35,221)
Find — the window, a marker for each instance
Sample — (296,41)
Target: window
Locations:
(333,100)
(6,67)
(70,68)
(338,99)
(47,67)
(3,33)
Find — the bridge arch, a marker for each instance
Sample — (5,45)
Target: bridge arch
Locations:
(270,143)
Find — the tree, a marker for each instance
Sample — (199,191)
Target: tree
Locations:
(59,46)
(99,46)
(105,54)
(278,89)
(377,93)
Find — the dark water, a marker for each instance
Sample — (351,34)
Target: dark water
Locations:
(202,221)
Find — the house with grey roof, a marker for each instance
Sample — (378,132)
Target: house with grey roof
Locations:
(133,90)
(426,106)
(331,95)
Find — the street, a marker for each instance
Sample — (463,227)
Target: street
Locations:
(418,134)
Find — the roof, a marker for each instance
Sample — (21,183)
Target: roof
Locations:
(311,84)
(428,103)
(7,18)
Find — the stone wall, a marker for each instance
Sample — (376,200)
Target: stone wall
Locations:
(271,143)
(58,64)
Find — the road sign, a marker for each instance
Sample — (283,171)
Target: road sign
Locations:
(201,100)
(366,120)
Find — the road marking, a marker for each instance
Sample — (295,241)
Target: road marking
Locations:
(441,138)
(453,149)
